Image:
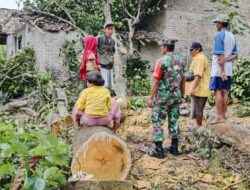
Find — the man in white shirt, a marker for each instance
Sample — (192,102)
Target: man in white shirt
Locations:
(225,51)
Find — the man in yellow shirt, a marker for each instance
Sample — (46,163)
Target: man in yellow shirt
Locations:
(198,88)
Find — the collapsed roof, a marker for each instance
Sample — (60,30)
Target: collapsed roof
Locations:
(143,36)
(13,20)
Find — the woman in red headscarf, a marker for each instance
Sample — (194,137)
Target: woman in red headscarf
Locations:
(90,59)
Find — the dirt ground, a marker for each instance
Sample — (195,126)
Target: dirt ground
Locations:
(187,171)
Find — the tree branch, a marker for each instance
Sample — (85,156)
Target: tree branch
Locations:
(66,11)
(59,18)
(126,10)
(137,18)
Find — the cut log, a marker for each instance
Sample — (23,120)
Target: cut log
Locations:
(98,185)
(54,122)
(63,112)
(62,103)
(125,106)
(236,136)
(99,152)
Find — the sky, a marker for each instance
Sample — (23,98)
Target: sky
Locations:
(10,4)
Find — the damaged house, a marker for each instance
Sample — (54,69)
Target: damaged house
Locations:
(188,21)
(44,33)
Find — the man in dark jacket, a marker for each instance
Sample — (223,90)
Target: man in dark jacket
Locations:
(106,50)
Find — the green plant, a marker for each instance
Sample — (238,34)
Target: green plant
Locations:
(136,74)
(68,51)
(19,142)
(17,76)
(242,111)
(211,99)
(206,144)
(138,102)
(43,77)
(2,53)
(241,81)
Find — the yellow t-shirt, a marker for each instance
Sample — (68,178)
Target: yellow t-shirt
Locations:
(199,66)
(95,101)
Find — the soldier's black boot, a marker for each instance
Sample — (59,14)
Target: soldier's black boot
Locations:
(158,152)
(173,149)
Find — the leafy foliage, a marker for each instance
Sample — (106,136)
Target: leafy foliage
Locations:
(70,54)
(238,23)
(206,144)
(88,15)
(241,81)
(243,110)
(136,74)
(18,143)
(74,86)
(2,53)
(138,102)
(17,74)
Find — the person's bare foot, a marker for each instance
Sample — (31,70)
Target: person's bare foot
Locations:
(217,120)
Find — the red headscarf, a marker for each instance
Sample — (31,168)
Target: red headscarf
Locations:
(90,45)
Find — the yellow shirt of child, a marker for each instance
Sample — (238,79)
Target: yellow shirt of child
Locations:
(95,101)
(199,67)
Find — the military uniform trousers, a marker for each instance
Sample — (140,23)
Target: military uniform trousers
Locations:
(160,112)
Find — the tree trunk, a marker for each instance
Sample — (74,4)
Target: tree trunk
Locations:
(120,81)
(14,105)
(98,185)
(236,136)
(100,153)
(62,103)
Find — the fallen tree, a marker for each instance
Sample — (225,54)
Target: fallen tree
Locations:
(236,136)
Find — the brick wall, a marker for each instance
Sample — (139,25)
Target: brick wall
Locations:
(47,48)
(188,21)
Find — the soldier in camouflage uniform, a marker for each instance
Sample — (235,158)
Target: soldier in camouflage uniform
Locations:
(166,93)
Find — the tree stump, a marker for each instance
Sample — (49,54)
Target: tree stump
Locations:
(98,185)
(100,153)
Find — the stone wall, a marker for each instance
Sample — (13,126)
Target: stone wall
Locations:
(188,21)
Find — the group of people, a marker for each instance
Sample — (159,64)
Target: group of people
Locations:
(171,83)
(95,106)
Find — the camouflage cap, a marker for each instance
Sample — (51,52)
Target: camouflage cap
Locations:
(168,41)
(222,18)
(110,23)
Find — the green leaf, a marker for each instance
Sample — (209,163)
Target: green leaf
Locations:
(6,169)
(50,172)
(39,184)
(20,148)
